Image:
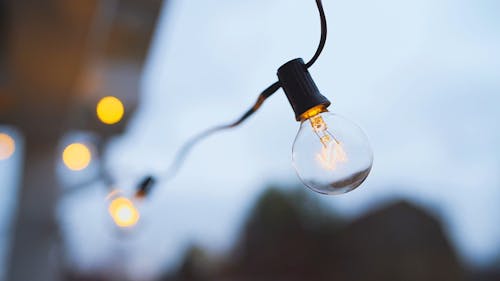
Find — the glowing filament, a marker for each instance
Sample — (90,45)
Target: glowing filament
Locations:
(123,212)
(332,153)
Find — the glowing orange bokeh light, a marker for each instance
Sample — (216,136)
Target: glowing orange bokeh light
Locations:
(110,110)
(76,156)
(7,146)
(123,212)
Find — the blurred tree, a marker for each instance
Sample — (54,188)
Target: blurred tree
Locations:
(196,265)
(285,232)
(290,236)
(397,242)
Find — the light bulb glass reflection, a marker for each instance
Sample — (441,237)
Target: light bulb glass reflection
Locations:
(331,154)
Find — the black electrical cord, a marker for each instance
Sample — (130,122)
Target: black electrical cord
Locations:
(322,40)
(146,184)
(186,148)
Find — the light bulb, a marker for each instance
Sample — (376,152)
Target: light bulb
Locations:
(331,154)
(7,146)
(76,156)
(122,210)
(110,110)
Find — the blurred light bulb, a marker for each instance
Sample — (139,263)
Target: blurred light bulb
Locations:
(76,156)
(7,146)
(123,212)
(330,154)
(110,110)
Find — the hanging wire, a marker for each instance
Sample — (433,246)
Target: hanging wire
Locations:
(186,148)
(322,40)
(147,182)
(180,157)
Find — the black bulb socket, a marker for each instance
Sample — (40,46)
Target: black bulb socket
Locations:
(299,87)
(145,186)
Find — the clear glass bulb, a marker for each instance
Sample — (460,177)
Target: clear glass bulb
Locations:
(331,154)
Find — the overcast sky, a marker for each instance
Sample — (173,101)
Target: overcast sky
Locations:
(422,77)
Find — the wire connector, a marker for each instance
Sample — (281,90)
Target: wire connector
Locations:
(299,87)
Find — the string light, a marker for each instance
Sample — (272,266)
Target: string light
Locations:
(7,146)
(330,154)
(110,110)
(76,156)
(123,212)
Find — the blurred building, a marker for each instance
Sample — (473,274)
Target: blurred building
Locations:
(57,59)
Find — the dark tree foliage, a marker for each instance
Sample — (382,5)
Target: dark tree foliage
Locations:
(290,236)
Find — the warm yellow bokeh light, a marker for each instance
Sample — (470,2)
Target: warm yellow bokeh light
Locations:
(7,146)
(76,156)
(110,110)
(123,212)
